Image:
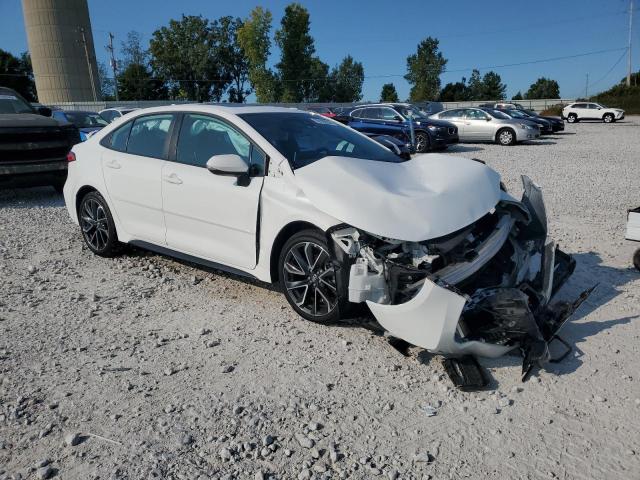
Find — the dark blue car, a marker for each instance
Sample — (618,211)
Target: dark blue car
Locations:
(87,122)
(394,119)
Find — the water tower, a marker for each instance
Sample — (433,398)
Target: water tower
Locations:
(61,48)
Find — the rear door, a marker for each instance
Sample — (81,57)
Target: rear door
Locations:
(581,110)
(132,165)
(211,216)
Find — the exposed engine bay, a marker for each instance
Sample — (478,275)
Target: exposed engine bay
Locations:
(482,290)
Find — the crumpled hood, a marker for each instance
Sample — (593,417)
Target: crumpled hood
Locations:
(22,120)
(426,197)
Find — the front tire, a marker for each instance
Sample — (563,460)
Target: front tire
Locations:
(422,142)
(572,118)
(636,259)
(506,137)
(308,277)
(608,118)
(97,226)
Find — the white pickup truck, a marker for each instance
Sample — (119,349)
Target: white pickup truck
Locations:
(633,232)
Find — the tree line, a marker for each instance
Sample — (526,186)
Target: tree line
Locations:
(228,59)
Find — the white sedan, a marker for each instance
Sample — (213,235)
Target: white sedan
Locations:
(443,256)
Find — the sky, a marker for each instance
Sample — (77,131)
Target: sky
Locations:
(488,34)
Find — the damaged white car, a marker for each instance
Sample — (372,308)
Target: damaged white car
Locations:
(442,255)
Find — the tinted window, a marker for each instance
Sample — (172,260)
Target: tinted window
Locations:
(202,137)
(108,115)
(120,136)
(303,138)
(580,105)
(359,113)
(258,161)
(593,106)
(149,135)
(11,103)
(371,113)
(86,119)
(388,114)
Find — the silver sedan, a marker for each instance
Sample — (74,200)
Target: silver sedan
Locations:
(478,125)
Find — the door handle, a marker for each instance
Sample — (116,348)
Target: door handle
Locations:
(112,164)
(172,178)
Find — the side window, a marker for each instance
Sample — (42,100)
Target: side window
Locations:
(258,161)
(593,106)
(450,114)
(59,115)
(149,135)
(119,138)
(388,114)
(201,137)
(473,114)
(580,105)
(108,116)
(372,113)
(357,113)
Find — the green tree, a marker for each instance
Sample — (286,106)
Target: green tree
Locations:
(297,63)
(234,61)
(475,86)
(455,92)
(186,53)
(16,73)
(254,39)
(517,96)
(492,87)
(388,93)
(424,69)
(543,88)
(346,81)
(136,82)
(106,82)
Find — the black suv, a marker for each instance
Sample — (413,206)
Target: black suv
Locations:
(33,147)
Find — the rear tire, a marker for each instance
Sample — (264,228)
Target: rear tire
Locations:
(308,277)
(506,137)
(608,118)
(572,118)
(97,226)
(636,259)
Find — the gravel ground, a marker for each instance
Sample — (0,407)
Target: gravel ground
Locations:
(142,367)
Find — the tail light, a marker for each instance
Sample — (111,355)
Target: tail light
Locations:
(71,157)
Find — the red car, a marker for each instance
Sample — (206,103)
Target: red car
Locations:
(324,111)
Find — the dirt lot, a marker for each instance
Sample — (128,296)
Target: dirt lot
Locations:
(142,367)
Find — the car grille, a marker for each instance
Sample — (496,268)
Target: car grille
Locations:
(36,144)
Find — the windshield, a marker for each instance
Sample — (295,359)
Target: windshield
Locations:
(10,103)
(86,119)
(517,114)
(498,114)
(304,138)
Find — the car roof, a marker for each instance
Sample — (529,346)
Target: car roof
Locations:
(236,109)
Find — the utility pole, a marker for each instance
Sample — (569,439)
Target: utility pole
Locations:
(586,88)
(629,45)
(86,54)
(114,65)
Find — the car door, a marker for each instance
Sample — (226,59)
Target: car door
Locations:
(476,126)
(132,165)
(207,215)
(594,111)
(581,110)
(392,122)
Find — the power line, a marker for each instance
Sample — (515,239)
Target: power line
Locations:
(611,69)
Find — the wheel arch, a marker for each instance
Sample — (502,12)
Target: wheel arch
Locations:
(496,139)
(82,191)
(283,235)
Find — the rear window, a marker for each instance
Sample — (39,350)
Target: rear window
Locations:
(149,135)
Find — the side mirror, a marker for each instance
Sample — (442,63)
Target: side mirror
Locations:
(44,111)
(488,119)
(228,164)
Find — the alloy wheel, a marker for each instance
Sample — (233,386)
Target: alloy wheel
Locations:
(310,279)
(608,118)
(94,224)
(506,137)
(421,142)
